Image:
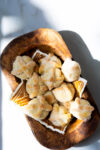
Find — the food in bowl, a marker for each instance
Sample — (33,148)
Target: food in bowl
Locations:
(49,89)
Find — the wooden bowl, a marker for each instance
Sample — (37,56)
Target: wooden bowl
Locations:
(47,40)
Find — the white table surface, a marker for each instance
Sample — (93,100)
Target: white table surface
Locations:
(21,16)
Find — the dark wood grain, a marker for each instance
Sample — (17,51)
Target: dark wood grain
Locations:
(48,40)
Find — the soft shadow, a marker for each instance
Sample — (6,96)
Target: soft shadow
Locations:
(22,14)
(16,18)
(90,71)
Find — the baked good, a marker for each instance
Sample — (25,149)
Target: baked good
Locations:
(23,67)
(49,41)
(51,74)
(37,108)
(59,116)
(50,98)
(35,86)
(71,70)
(64,93)
(81,109)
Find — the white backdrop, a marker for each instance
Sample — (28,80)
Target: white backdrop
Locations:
(21,16)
